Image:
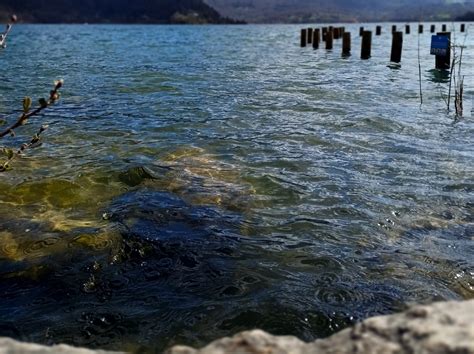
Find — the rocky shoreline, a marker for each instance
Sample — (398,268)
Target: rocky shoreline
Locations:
(440,328)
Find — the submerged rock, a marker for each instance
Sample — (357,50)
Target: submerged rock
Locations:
(202,179)
(176,241)
(157,217)
(134,176)
(156,265)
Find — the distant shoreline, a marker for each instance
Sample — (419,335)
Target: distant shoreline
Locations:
(238,24)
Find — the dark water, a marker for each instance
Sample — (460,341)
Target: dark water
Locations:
(199,181)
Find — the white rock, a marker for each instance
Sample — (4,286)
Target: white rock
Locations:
(441,328)
(10,346)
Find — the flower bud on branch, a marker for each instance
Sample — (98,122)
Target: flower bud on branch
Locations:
(27,113)
(4,35)
(11,155)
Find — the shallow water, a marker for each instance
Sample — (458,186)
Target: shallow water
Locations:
(199,181)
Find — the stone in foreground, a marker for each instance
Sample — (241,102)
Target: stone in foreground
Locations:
(441,328)
(10,346)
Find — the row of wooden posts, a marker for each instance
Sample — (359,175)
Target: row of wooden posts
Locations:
(329,34)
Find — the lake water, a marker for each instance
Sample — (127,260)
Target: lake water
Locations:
(199,181)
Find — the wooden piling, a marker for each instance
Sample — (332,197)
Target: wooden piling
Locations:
(310,35)
(324,32)
(407,29)
(397,44)
(366,45)
(303,37)
(378,30)
(444,62)
(335,32)
(346,43)
(443,28)
(420,28)
(394,28)
(463,27)
(329,40)
(361,31)
(316,38)
(433,28)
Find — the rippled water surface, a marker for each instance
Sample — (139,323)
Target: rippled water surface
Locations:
(199,181)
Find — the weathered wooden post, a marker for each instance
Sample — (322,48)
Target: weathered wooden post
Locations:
(361,31)
(346,43)
(407,29)
(443,28)
(378,30)
(420,28)
(433,28)
(303,38)
(316,38)
(463,27)
(324,32)
(394,28)
(310,35)
(335,32)
(329,40)
(366,45)
(441,47)
(397,44)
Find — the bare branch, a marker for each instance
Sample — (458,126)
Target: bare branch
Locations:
(12,155)
(43,104)
(4,35)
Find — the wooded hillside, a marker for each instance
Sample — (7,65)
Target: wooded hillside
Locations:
(111,11)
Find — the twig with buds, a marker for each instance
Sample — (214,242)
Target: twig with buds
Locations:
(27,113)
(23,119)
(12,154)
(4,35)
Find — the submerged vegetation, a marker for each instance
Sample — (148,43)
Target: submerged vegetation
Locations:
(456,77)
(458,80)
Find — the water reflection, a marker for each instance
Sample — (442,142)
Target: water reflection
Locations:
(439,76)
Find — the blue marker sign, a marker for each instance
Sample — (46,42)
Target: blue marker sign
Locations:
(439,45)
